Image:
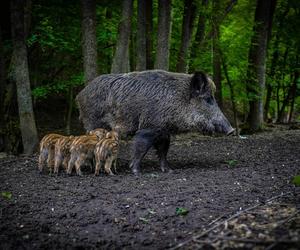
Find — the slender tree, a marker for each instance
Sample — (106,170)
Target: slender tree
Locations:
(186,34)
(89,42)
(163,35)
(21,74)
(275,54)
(149,32)
(199,36)
(256,63)
(2,79)
(141,41)
(289,97)
(217,74)
(121,58)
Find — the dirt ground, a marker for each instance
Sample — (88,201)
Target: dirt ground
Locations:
(225,192)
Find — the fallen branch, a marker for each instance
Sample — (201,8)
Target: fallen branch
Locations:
(255,241)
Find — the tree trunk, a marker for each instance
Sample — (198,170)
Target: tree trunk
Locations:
(121,58)
(70,109)
(289,97)
(186,34)
(275,57)
(2,91)
(27,17)
(26,115)
(232,94)
(217,74)
(2,79)
(279,85)
(141,43)
(293,96)
(256,64)
(163,35)
(89,41)
(199,37)
(109,56)
(149,32)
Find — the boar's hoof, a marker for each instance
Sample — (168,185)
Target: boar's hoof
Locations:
(167,170)
(136,172)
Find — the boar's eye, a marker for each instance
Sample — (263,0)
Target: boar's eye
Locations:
(209,100)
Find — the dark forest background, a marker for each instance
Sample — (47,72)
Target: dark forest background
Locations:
(50,49)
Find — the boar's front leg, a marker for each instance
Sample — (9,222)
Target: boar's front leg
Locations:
(162,144)
(143,141)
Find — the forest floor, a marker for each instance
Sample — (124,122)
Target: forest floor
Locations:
(225,192)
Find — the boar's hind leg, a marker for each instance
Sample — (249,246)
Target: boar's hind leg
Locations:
(162,144)
(143,141)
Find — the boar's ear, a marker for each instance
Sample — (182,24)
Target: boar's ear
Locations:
(199,84)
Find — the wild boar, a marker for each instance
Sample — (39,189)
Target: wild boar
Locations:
(156,100)
(106,152)
(62,152)
(82,153)
(99,132)
(47,148)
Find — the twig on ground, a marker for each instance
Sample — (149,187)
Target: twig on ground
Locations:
(229,219)
(255,241)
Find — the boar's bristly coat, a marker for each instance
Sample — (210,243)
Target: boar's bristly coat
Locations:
(154,99)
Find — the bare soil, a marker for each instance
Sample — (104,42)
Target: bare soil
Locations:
(225,192)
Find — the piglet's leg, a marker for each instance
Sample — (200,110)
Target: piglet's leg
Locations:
(97,165)
(50,160)
(115,165)
(71,163)
(78,164)
(58,160)
(42,159)
(107,166)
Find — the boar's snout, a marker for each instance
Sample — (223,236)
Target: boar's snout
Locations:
(222,125)
(231,131)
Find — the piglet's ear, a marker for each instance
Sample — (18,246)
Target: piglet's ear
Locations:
(199,84)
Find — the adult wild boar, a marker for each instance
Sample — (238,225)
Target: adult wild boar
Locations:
(152,105)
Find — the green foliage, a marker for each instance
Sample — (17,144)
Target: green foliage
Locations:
(144,220)
(6,195)
(232,163)
(57,87)
(296,180)
(181,211)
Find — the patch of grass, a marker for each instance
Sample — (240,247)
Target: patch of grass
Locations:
(143,219)
(296,180)
(6,195)
(181,211)
(151,211)
(232,163)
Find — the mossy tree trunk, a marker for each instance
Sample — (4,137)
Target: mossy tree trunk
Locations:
(186,34)
(121,57)
(141,42)
(255,84)
(163,35)
(89,42)
(21,75)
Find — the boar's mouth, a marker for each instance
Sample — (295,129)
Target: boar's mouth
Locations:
(230,131)
(224,128)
